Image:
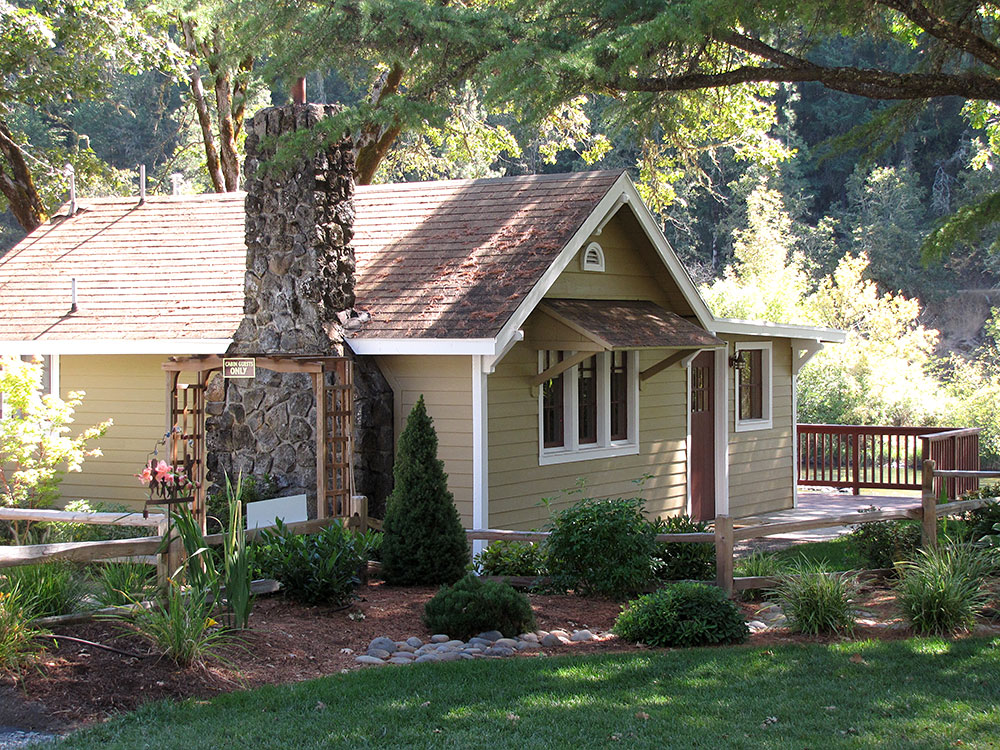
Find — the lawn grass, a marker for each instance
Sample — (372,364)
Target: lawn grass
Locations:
(838,554)
(920,693)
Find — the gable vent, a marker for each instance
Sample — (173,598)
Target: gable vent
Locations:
(592,258)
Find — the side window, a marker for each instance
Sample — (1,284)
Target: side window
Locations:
(753,386)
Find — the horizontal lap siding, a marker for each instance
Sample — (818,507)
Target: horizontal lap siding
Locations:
(761,461)
(131,390)
(446,385)
(518,484)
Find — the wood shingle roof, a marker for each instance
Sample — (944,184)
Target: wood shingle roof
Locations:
(448,259)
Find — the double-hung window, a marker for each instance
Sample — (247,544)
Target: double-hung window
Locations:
(590,410)
(753,386)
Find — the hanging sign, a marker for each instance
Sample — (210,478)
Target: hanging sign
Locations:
(242,367)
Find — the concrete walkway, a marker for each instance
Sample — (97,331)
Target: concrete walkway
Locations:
(820,504)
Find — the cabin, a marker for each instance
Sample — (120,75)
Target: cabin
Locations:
(555,336)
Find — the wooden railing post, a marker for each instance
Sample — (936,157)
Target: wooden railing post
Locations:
(928,506)
(724,553)
(856,463)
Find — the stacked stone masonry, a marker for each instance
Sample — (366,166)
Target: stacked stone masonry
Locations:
(299,275)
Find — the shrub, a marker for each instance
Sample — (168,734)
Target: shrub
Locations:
(86,532)
(319,568)
(18,639)
(424,542)
(601,547)
(236,560)
(682,614)
(981,521)
(182,626)
(674,561)
(816,601)
(35,449)
(48,589)
(512,559)
(473,605)
(881,544)
(941,589)
(122,583)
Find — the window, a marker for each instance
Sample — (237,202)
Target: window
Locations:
(753,387)
(591,409)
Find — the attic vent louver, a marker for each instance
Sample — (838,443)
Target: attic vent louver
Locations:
(592,258)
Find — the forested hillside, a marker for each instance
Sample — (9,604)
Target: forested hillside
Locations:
(802,158)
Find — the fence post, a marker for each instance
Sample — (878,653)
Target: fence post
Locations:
(928,505)
(724,553)
(856,463)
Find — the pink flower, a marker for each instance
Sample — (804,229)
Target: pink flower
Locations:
(164,472)
(146,476)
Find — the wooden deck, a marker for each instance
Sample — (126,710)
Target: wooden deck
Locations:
(816,505)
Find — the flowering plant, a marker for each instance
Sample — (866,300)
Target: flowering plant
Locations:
(165,480)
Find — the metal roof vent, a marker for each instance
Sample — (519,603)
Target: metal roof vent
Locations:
(592,258)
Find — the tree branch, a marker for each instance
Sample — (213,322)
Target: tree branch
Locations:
(955,35)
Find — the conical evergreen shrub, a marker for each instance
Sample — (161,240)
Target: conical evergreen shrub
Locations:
(424,542)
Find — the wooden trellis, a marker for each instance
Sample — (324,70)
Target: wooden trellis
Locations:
(332,382)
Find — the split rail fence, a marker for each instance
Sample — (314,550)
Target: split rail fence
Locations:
(727,532)
(149,549)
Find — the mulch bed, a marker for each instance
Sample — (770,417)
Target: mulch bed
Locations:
(74,685)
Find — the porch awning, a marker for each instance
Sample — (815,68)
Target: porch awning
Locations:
(625,324)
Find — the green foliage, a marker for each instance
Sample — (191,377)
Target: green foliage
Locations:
(18,638)
(982,520)
(682,614)
(881,544)
(941,590)
(758,564)
(122,583)
(602,547)
(423,542)
(512,559)
(319,568)
(674,561)
(200,568)
(35,448)
(181,627)
(816,601)
(472,605)
(47,589)
(236,561)
(87,532)
(251,489)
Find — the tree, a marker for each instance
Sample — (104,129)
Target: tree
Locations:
(424,541)
(35,448)
(55,52)
(691,72)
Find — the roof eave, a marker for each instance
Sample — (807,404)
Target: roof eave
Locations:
(425,346)
(779,330)
(114,346)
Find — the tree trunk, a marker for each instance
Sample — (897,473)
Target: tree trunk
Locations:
(16,183)
(375,142)
(201,107)
(229,157)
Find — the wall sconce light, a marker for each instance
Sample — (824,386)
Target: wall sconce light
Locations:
(737,360)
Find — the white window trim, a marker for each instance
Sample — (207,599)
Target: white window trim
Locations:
(766,422)
(604,447)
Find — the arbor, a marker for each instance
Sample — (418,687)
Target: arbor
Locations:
(52,53)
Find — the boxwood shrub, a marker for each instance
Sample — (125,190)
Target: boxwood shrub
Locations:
(682,614)
(472,605)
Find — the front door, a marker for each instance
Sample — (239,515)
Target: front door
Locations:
(702,405)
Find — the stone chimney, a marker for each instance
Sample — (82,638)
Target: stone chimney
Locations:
(299,275)
(300,266)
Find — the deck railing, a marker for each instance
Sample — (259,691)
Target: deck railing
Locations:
(884,457)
